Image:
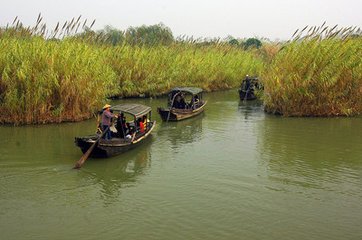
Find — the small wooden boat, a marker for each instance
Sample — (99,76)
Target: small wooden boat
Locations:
(122,139)
(248,87)
(183,103)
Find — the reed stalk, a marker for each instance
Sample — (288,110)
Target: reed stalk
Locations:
(318,74)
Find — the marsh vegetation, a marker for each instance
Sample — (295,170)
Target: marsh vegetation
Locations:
(317,73)
(65,74)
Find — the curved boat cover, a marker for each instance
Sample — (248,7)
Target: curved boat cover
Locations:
(192,90)
(137,110)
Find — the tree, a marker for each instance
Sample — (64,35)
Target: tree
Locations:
(113,35)
(232,41)
(252,42)
(149,35)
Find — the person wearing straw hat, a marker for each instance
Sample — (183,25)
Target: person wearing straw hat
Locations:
(106,121)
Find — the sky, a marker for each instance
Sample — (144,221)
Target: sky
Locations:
(273,19)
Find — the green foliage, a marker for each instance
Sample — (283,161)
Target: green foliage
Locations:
(316,75)
(149,35)
(112,35)
(154,70)
(49,81)
(233,42)
(67,80)
(252,43)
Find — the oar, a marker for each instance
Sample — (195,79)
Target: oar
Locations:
(246,95)
(247,91)
(85,156)
(173,99)
(168,116)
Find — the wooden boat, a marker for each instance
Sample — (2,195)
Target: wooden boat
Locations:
(179,108)
(119,144)
(248,87)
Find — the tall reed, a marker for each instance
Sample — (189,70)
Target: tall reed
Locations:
(45,79)
(154,70)
(318,73)
(51,81)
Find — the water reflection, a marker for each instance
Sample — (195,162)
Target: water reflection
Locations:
(182,132)
(55,143)
(250,108)
(116,173)
(237,171)
(312,152)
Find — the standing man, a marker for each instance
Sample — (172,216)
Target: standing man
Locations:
(106,121)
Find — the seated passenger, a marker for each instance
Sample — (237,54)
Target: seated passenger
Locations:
(176,102)
(121,126)
(145,120)
(131,128)
(195,101)
(182,103)
(141,125)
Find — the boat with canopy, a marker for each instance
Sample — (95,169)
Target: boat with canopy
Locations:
(183,103)
(125,134)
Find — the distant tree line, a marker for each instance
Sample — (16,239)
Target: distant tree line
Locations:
(244,43)
(158,34)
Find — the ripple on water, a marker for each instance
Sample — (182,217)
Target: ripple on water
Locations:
(233,172)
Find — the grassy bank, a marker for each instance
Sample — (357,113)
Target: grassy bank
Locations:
(46,81)
(316,74)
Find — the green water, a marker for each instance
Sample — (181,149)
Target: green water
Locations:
(232,173)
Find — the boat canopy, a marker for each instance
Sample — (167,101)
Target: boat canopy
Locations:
(137,110)
(192,90)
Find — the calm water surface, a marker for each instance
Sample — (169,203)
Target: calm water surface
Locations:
(232,173)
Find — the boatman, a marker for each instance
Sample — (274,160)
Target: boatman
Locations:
(106,121)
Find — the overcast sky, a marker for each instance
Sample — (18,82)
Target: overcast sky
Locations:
(274,19)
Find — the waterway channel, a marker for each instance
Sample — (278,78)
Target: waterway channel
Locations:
(233,172)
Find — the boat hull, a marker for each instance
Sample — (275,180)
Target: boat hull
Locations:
(246,95)
(112,147)
(179,114)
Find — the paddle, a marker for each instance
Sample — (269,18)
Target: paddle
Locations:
(248,85)
(173,99)
(85,156)
(246,95)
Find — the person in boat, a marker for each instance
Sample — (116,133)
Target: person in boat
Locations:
(176,102)
(247,83)
(121,125)
(130,129)
(182,102)
(140,125)
(195,101)
(145,120)
(106,121)
(248,86)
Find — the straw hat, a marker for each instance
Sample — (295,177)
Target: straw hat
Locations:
(106,106)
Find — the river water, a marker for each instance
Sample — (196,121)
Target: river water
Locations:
(233,172)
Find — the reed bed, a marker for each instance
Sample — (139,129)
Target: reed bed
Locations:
(317,73)
(154,70)
(49,81)
(44,78)
(60,75)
